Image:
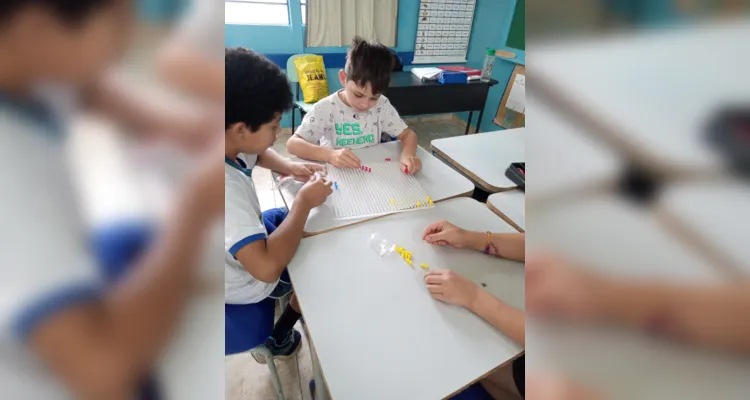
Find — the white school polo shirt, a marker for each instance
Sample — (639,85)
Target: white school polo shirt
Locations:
(44,258)
(333,124)
(243,224)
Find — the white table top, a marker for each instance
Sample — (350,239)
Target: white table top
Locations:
(377,332)
(616,238)
(512,204)
(717,214)
(484,157)
(438,180)
(563,157)
(653,90)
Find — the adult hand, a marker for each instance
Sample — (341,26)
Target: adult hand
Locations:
(344,158)
(555,289)
(450,287)
(302,172)
(410,164)
(443,233)
(314,192)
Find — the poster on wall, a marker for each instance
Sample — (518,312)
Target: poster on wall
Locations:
(443,31)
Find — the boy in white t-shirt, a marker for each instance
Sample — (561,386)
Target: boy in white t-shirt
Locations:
(356,116)
(258,244)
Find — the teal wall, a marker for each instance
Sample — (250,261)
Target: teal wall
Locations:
(492,20)
(161,10)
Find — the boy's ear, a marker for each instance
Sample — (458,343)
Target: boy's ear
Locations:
(342,78)
(236,128)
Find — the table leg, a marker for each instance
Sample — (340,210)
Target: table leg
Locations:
(479,122)
(468,122)
(321,391)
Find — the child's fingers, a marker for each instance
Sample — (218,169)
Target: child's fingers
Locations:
(351,155)
(433,279)
(316,167)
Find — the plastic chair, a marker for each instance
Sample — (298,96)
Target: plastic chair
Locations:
(291,73)
(246,328)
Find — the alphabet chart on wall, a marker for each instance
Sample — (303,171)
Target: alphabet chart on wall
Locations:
(443,31)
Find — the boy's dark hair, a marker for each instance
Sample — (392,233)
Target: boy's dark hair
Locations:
(70,11)
(255,89)
(369,62)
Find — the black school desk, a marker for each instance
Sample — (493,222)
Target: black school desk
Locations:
(411,96)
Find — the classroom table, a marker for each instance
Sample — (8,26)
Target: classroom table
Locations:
(651,93)
(438,180)
(715,215)
(623,240)
(510,206)
(564,158)
(484,157)
(377,332)
(412,96)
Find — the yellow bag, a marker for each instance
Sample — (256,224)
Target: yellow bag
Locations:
(312,77)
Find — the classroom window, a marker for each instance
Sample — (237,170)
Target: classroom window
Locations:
(256,12)
(336,22)
(303,3)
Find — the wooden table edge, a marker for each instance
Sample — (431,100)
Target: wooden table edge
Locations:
(475,179)
(306,234)
(490,372)
(504,217)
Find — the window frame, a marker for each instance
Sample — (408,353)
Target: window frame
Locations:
(279,3)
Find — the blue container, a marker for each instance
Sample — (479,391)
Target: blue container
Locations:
(452,77)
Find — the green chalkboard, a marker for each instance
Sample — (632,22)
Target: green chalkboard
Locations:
(517,34)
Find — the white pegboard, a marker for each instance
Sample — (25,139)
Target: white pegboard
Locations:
(383,190)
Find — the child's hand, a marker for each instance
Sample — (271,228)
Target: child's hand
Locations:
(314,192)
(555,289)
(344,158)
(302,172)
(410,164)
(443,233)
(450,287)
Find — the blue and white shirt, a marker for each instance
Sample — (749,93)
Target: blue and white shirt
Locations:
(45,263)
(243,224)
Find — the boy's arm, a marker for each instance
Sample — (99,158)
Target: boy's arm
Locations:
(122,104)
(304,142)
(714,316)
(502,316)
(301,148)
(393,125)
(507,245)
(271,160)
(192,73)
(266,259)
(100,349)
(408,140)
